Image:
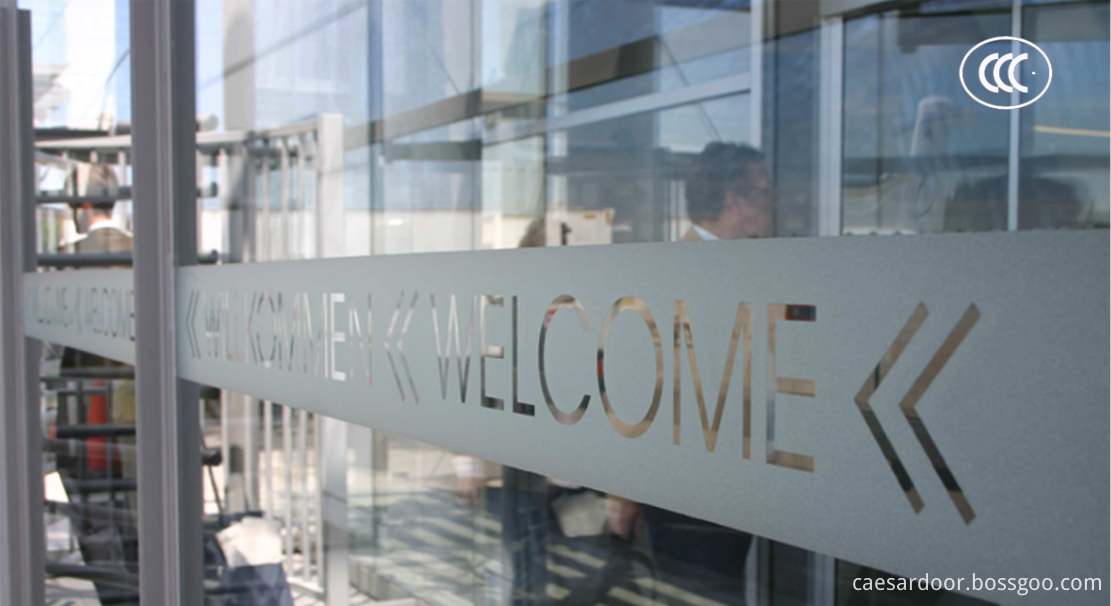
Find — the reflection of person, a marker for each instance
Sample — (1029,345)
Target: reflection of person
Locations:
(525,507)
(1044,203)
(102,233)
(99,232)
(729,194)
(114,402)
(524,504)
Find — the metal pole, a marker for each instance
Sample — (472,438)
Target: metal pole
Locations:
(266,238)
(333,515)
(21,514)
(168,434)
(225,451)
(302,192)
(287,472)
(285,188)
(328,161)
(250,452)
(268,452)
(303,492)
(318,489)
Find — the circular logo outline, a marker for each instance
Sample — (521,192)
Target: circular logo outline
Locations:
(1048,63)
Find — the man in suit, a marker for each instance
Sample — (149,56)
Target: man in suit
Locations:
(729,194)
(102,234)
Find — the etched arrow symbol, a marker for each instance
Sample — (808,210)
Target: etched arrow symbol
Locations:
(401,345)
(191,325)
(910,400)
(872,383)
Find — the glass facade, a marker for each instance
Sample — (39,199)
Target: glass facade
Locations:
(354,128)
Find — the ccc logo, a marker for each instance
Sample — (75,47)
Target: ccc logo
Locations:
(999,62)
(1004,74)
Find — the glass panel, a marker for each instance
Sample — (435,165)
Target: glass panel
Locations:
(427,193)
(81,71)
(373,127)
(1065,139)
(920,156)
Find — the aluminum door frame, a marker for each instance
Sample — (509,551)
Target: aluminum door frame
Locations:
(163,100)
(22,549)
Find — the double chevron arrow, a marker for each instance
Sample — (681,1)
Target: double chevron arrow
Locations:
(910,400)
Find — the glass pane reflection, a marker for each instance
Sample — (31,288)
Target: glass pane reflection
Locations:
(359,127)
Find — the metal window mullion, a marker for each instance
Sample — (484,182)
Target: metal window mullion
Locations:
(648,103)
(474,127)
(1014,141)
(165,210)
(831,116)
(756,97)
(21,516)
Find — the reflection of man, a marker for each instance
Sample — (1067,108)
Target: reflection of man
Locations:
(102,234)
(99,232)
(112,402)
(729,194)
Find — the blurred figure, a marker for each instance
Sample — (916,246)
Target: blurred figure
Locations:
(923,199)
(729,194)
(101,233)
(1043,203)
(525,496)
(911,194)
(102,543)
(98,231)
(1046,203)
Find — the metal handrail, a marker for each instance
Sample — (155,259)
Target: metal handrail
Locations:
(92,372)
(97,574)
(206,141)
(91,486)
(69,432)
(121,258)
